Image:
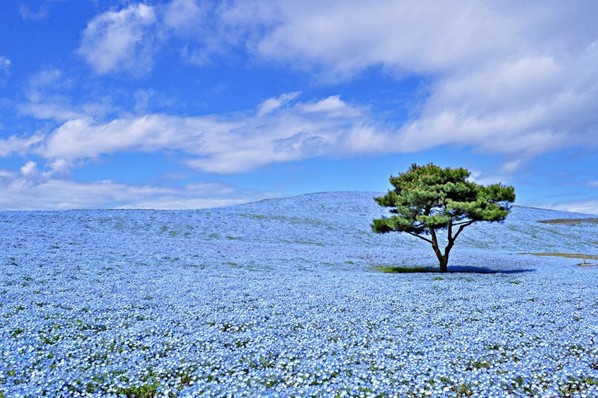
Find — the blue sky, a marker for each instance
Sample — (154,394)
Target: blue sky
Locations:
(192,103)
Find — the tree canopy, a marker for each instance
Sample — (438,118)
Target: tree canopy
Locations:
(427,199)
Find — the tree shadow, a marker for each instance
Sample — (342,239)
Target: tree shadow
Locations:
(484,270)
(390,269)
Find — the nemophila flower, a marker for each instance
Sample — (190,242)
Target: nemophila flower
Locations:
(214,303)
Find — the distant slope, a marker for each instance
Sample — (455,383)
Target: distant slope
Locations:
(323,228)
(283,297)
(344,218)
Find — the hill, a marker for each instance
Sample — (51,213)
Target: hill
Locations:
(329,227)
(280,298)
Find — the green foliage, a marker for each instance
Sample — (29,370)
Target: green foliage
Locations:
(17,332)
(428,198)
(142,391)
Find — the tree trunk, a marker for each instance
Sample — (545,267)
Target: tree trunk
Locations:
(445,258)
(442,259)
(444,263)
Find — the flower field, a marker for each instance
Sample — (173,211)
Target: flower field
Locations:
(281,298)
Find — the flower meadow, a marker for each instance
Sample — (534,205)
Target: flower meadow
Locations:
(281,298)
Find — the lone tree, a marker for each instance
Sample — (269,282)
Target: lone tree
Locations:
(428,199)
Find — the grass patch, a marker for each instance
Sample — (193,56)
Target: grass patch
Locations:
(567,255)
(143,391)
(584,257)
(392,269)
(570,221)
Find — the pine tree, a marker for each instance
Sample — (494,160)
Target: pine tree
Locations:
(428,199)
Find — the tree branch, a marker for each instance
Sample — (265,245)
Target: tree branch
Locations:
(462,227)
(418,236)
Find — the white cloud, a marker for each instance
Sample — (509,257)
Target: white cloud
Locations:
(229,143)
(283,129)
(82,138)
(128,39)
(59,166)
(19,145)
(120,40)
(50,110)
(346,37)
(43,98)
(330,106)
(215,31)
(530,105)
(485,178)
(42,81)
(586,207)
(29,168)
(47,94)
(505,76)
(6,174)
(185,17)
(271,104)
(512,166)
(593,184)
(53,194)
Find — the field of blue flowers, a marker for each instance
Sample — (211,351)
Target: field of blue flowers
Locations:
(282,298)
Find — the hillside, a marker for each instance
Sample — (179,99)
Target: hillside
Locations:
(280,298)
(327,227)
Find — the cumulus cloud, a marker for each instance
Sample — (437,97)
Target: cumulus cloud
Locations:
(47,97)
(346,37)
(504,76)
(512,166)
(120,40)
(530,104)
(29,168)
(128,39)
(184,17)
(54,194)
(414,37)
(19,145)
(222,143)
(44,100)
(271,104)
(281,129)
(6,174)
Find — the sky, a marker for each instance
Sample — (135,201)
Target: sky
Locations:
(182,104)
